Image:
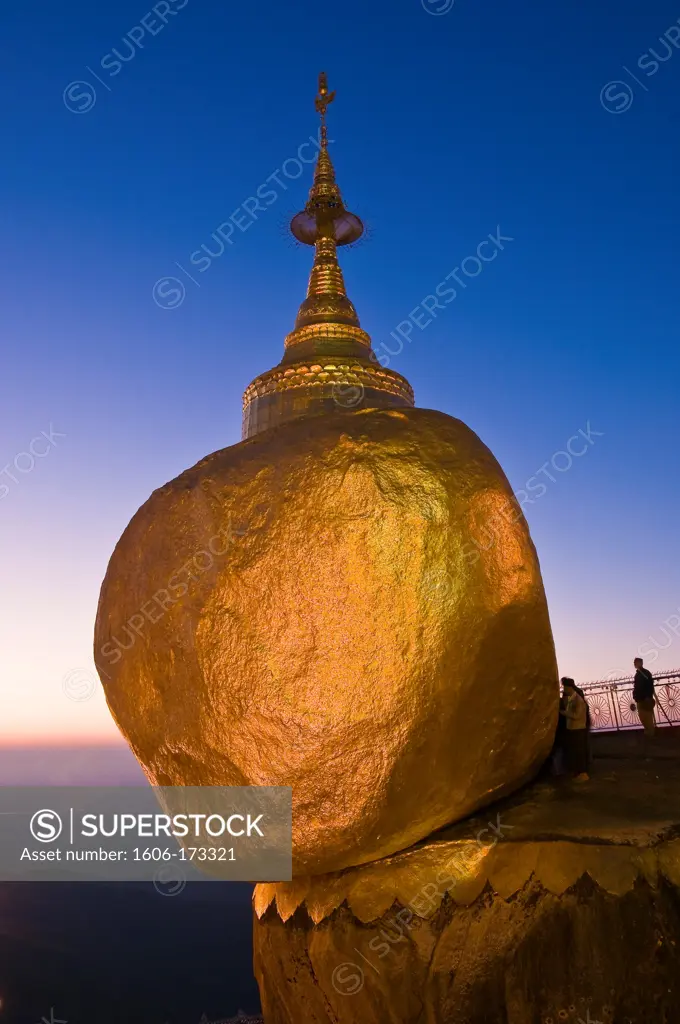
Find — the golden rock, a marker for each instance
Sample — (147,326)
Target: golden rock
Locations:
(347,602)
(349,605)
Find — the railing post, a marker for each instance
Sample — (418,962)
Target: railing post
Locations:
(660,705)
(613,691)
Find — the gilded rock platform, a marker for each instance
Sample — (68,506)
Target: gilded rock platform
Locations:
(556,904)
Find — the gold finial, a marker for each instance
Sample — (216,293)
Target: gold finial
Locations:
(322,103)
(325,215)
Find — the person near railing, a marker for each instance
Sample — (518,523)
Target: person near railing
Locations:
(643,695)
(589,723)
(576,735)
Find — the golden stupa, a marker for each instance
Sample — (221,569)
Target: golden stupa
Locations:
(328,360)
(348,601)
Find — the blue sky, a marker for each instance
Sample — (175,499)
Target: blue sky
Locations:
(447,127)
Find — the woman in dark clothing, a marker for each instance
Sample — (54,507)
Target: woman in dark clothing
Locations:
(558,757)
(576,715)
(588,724)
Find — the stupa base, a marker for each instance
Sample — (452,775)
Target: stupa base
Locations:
(561,903)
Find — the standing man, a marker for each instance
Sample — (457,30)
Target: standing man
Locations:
(643,695)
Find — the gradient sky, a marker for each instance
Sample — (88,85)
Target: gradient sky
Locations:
(446,126)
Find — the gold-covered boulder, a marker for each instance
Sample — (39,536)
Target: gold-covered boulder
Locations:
(350,605)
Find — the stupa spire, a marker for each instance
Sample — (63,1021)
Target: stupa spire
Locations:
(325,224)
(327,351)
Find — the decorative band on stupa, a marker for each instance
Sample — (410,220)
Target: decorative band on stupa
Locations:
(328,364)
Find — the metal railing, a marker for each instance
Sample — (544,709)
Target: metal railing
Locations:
(610,702)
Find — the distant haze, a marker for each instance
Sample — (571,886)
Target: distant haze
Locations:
(85,765)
